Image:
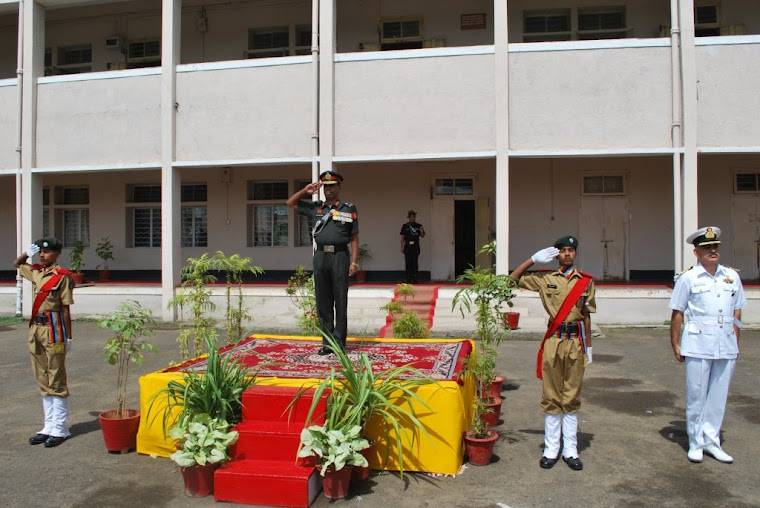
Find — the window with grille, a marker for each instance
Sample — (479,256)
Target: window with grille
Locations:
(72,214)
(546,25)
(45,211)
(145,53)
(194,222)
(401,33)
(268,214)
(604,184)
(454,187)
(72,59)
(269,41)
(747,181)
(304,223)
(146,227)
(706,18)
(601,23)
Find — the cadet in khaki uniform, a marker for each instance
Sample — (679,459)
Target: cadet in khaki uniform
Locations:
(336,226)
(49,335)
(566,347)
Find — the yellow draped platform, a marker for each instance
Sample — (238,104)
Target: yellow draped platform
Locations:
(450,414)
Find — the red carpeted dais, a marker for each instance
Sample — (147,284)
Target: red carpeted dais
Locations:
(291,358)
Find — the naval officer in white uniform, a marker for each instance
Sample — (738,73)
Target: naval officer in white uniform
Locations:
(711,297)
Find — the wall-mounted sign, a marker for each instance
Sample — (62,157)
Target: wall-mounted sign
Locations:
(473,21)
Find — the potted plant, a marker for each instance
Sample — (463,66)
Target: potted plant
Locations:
(406,323)
(364,253)
(301,292)
(202,447)
(479,440)
(337,447)
(129,322)
(104,250)
(77,262)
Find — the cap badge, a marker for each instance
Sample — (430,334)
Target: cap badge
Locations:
(709,234)
(45,244)
(328,176)
(571,240)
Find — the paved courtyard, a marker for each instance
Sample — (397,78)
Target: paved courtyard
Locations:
(632,437)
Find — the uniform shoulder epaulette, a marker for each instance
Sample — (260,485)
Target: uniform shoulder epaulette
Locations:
(586,274)
(737,270)
(37,266)
(675,277)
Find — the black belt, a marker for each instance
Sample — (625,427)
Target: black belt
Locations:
(41,320)
(568,328)
(333,248)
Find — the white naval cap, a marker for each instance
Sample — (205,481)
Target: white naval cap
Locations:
(705,236)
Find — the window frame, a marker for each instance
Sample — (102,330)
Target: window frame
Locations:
(603,33)
(252,204)
(564,35)
(294,32)
(192,240)
(604,175)
(746,171)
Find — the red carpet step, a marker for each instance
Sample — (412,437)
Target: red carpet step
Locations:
(263,470)
(423,303)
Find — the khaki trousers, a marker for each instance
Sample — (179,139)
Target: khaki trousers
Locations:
(562,370)
(48,361)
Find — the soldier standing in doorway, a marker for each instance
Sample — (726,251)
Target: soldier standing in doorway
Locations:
(336,225)
(411,232)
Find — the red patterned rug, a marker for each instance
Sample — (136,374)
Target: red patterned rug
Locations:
(290,358)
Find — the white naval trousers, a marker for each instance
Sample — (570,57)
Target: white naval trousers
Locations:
(707,383)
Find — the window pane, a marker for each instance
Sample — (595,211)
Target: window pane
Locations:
(747,182)
(75,195)
(194,226)
(303,35)
(464,187)
(76,227)
(305,225)
(593,185)
(391,29)
(706,14)
(280,231)
(444,186)
(266,191)
(614,184)
(147,227)
(45,222)
(270,225)
(193,192)
(145,194)
(45,196)
(410,28)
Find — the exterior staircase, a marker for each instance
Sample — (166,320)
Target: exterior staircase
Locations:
(264,470)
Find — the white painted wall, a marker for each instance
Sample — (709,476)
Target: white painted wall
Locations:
(8,124)
(418,105)
(600,98)
(244,113)
(728,98)
(98,122)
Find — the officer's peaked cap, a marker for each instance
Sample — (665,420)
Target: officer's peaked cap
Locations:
(330,177)
(705,236)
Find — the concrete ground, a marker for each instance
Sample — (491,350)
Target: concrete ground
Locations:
(632,436)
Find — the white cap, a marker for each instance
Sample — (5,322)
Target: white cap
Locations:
(705,236)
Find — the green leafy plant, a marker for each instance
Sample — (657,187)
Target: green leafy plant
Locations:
(234,267)
(358,394)
(217,392)
(334,448)
(202,440)
(301,292)
(104,250)
(130,321)
(77,256)
(364,253)
(195,295)
(407,324)
(479,428)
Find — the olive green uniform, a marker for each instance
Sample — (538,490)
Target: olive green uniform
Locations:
(563,359)
(332,233)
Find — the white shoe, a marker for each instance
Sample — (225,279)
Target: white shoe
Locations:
(695,454)
(718,454)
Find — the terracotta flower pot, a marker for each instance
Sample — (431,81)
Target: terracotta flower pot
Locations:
(78,278)
(494,389)
(120,434)
(511,320)
(359,474)
(491,418)
(361,276)
(335,483)
(199,480)
(104,275)
(480,450)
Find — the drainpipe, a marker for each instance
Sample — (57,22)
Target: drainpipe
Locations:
(676,132)
(315,92)
(20,113)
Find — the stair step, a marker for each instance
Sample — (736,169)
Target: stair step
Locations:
(271,403)
(267,483)
(267,439)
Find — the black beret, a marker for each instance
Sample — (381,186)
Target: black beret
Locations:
(49,243)
(566,241)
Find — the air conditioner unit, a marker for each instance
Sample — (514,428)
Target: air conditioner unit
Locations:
(369,46)
(113,42)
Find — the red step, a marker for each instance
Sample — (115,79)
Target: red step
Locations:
(266,483)
(272,440)
(272,403)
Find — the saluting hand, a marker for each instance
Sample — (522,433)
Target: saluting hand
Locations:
(312,188)
(545,255)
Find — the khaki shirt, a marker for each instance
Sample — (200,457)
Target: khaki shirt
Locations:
(60,295)
(553,287)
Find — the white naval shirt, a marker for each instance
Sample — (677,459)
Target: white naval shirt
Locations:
(708,303)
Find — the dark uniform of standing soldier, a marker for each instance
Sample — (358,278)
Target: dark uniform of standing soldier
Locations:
(411,232)
(336,225)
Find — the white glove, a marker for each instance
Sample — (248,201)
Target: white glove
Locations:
(32,250)
(545,255)
(588,352)
(68,344)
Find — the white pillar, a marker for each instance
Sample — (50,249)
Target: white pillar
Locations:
(690,211)
(171,262)
(31,185)
(501,94)
(327,41)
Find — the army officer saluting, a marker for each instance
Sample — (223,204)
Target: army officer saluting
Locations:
(336,226)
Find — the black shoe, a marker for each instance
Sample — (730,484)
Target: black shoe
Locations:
(547,463)
(38,439)
(54,441)
(324,351)
(573,463)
